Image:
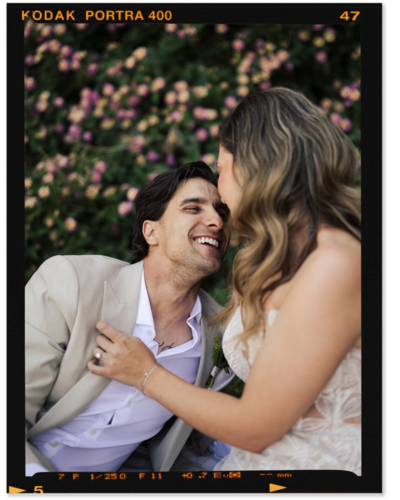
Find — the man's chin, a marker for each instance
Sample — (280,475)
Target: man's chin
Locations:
(210,267)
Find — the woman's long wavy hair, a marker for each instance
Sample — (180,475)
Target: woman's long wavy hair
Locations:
(298,169)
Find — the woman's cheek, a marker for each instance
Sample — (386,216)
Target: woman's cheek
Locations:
(221,185)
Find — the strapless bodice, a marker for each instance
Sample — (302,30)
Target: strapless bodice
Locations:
(328,442)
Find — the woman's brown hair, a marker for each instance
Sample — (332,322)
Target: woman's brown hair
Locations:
(298,169)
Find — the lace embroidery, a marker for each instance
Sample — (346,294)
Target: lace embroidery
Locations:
(331,441)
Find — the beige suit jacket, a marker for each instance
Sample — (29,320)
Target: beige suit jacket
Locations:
(64,300)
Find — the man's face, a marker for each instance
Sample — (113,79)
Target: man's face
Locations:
(193,231)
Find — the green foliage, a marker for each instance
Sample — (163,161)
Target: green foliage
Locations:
(217,351)
(108,107)
(234,388)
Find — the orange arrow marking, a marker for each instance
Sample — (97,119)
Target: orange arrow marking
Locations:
(275,487)
(11,489)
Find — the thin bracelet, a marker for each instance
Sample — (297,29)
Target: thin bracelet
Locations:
(148,375)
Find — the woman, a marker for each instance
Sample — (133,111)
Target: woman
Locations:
(294,321)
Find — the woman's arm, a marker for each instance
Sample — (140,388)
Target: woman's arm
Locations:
(318,323)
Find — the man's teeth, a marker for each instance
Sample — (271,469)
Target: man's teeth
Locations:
(210,241)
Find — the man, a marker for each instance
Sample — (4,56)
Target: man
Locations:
(77,421)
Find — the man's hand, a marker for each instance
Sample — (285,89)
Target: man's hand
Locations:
(125,358)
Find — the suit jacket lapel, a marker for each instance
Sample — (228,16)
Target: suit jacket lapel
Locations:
(165,448)
(206,361)
(121,298)
(120,303)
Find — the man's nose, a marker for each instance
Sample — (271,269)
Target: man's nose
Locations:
(213,219)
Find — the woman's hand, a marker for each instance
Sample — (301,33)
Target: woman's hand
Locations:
(126,359)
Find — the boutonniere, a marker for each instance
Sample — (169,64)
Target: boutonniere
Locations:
(219,362)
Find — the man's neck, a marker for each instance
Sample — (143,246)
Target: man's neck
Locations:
(172,294)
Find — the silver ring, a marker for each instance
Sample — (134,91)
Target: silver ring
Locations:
(98,355)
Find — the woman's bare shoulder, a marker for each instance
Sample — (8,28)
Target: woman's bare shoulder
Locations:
(325,293)
(333,269)
(337,250)
(335,264)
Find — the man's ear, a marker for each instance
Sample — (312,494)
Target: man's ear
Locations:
(150,232)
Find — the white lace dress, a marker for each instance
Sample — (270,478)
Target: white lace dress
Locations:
(330,442)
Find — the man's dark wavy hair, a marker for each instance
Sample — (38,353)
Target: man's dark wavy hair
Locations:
(152,200)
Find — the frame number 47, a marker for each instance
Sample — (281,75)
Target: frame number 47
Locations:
(346,16)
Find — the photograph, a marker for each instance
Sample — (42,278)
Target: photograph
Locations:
(185,269)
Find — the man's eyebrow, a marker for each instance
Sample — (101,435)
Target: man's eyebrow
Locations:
(200,201)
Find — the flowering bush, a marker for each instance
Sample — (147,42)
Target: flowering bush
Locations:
(109,107)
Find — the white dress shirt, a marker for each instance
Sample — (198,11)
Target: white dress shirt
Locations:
(103,436)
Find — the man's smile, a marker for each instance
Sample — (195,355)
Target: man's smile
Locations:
(207,240)
(215,243)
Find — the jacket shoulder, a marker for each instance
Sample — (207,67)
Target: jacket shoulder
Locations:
(97,262)
(93,267)
(65,275)
(82,262)
(60,280)
(209,306)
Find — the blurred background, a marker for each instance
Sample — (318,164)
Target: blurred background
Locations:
(110,106)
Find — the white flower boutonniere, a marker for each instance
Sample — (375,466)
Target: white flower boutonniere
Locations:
(219,362)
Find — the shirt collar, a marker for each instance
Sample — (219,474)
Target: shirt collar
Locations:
(145,316)
(196,311)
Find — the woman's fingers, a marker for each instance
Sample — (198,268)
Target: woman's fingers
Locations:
(105,328)
(95,368)
(104,343)
(112,338)
(120,356)
(102,363)
(98,353)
